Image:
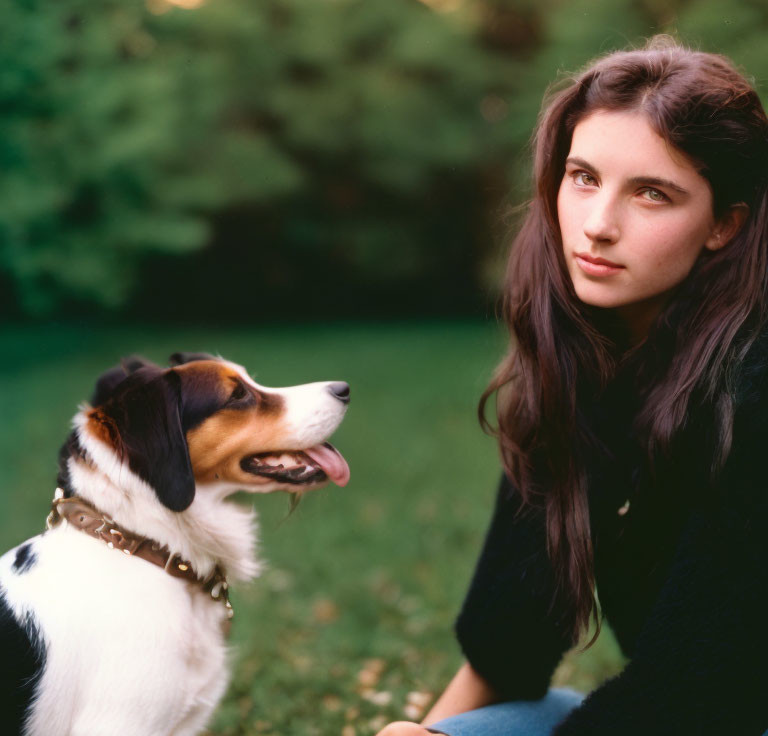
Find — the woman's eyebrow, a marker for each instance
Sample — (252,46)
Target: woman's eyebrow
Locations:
(654,181)
(648,181)
(581,162)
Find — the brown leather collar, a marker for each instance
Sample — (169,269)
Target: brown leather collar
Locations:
(83,516)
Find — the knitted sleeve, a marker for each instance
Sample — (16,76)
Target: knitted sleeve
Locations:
(505,627)
(700,665)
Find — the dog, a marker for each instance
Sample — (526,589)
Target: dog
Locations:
(114,619)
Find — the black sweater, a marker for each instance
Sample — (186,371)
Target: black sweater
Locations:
(682,578)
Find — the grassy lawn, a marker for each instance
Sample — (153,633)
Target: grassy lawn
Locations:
(350,626)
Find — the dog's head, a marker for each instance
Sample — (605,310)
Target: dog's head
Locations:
(205,422)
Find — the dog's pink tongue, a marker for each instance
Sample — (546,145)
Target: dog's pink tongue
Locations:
(331,461)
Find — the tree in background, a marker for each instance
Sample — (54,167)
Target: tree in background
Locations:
(111,147)
(309,157)
(381,108)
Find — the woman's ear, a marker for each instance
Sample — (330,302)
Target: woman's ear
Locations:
(728,226)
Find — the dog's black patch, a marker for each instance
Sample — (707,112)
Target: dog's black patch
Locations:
(23,663)
(201,398)
(25,559)
(145,409)
(108,382)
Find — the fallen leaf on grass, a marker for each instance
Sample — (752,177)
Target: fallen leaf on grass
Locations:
(332,702)
(244,706)
(301,663)
(418,698)
(324,611)
(412,712)
(377,723)
(380,698)
(370,674)
(415,704)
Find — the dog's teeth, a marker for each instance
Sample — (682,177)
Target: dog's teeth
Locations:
(293,467)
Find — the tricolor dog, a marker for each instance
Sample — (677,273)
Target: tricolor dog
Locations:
(114,620)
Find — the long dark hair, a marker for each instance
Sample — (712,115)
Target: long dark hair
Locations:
(564,352)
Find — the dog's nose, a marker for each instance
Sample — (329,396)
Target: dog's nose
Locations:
(340,389)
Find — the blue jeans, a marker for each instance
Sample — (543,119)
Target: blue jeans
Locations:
(516,718)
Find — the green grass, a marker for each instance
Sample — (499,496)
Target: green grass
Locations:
(355,609)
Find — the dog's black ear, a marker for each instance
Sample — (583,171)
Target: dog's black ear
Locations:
(146,412)
(181,358)
(132,363)
(111,379)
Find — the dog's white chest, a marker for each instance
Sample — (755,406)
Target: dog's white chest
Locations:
(129,649)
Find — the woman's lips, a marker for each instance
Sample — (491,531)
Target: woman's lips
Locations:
(596,266)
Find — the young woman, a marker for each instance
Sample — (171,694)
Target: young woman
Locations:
(632,416)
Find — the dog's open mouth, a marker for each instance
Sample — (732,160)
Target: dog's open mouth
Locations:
(298,468)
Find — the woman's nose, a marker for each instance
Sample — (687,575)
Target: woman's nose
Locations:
(602,221)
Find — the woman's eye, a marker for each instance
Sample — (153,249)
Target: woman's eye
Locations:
(654,195)
(585,179)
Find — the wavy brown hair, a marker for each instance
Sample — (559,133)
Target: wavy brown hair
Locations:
(564,352)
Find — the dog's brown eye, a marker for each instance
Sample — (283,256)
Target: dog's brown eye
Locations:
(238,393)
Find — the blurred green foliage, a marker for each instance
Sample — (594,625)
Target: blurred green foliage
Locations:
(341,155)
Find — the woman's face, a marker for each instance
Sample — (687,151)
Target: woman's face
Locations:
(629,198)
